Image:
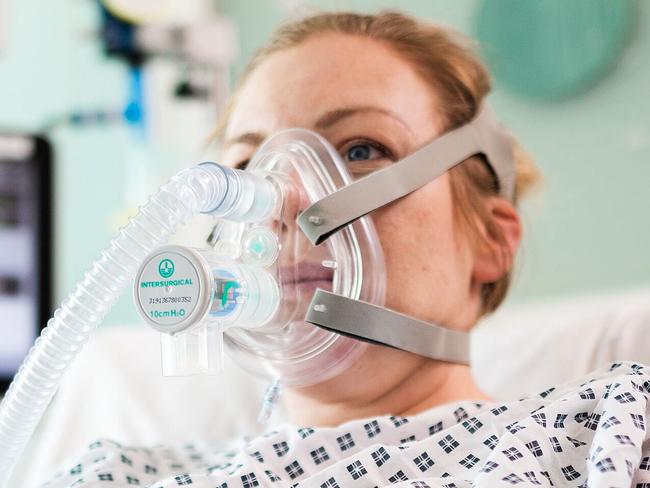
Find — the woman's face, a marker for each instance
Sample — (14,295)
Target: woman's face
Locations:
(374,109)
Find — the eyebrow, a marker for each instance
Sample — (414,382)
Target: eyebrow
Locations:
(251,138)
(333,117)
(325,121)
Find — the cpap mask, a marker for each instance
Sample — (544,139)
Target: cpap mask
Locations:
(296,292)
(252,289)
(293,282)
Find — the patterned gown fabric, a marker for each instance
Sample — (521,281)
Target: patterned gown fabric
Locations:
(590,433)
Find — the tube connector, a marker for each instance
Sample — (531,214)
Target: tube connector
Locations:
(241,196)
(192,297)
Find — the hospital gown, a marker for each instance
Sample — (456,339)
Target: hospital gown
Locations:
(587,433)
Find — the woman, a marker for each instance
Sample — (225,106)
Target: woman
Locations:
(378,87)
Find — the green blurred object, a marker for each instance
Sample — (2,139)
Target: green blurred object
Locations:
(552,50)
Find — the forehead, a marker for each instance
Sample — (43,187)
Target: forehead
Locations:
(328,72)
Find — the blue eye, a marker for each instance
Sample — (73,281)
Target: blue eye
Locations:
(363,152)
(359,153)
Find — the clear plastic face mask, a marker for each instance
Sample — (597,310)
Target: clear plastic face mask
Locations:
(252,289)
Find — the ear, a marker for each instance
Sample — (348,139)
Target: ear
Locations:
(494,257)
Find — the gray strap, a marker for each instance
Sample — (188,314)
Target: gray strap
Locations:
(481,135)
(371,323)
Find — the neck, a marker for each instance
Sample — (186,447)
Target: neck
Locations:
(383,382)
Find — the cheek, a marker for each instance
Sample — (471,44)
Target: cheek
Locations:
(425,261)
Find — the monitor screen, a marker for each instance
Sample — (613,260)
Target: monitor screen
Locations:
(25,246)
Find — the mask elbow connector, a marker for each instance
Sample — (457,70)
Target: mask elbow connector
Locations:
(237,195)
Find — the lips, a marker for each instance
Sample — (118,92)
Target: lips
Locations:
(305,272)
(302,280)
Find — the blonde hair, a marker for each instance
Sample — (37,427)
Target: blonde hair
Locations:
(444,59)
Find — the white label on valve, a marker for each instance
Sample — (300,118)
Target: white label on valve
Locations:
(168,291)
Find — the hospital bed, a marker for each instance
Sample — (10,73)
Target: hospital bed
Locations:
(115,390)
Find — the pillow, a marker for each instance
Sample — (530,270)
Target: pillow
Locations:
(526,348)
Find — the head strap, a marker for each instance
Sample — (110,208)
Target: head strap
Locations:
(378,325)
(483,135)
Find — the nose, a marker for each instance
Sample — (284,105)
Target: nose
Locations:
(295,200)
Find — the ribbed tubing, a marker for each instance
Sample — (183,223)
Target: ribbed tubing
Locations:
(198,189)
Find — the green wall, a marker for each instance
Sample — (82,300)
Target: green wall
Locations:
(587,230)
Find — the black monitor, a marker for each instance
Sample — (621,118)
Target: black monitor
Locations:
(25,246)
